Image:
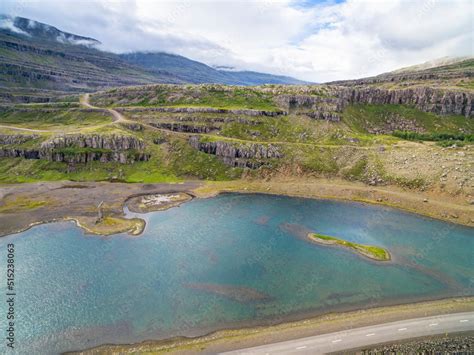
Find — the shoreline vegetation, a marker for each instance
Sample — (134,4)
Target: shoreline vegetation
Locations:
(368,251)
(232,339)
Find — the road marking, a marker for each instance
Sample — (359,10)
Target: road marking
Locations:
(301,347)
(464,320)
(402,329)
(433,324)
(370,334)
(337,340)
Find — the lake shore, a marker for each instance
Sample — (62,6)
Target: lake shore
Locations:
(430,203)
(25,205)
(233,339)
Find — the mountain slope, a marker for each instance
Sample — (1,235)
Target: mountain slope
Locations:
(195,72)
(36,57)
(453,73)
(43,31)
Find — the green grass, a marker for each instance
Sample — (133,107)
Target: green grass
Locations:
(215,96)
(358,170)
(363,117)
(80,150)
(437,137)
(313,159)
(41,119)
(372,251)
(280,129)
(187,162)
(20,204)
(17,170)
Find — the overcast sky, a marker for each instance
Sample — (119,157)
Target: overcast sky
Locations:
(310,40)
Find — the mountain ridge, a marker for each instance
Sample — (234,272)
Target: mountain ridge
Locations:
(38,55)
(32,28)
(196,72)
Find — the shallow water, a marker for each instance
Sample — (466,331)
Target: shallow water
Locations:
(223,262)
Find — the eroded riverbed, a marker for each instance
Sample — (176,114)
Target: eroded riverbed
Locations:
(223,262)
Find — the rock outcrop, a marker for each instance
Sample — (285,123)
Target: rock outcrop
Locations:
(423,98)
(426,99)
(76,148)
(11,152)
(96,141)
(184,127)
(247,112)
(251,155)
(11,139)
(394,122)
(316,107)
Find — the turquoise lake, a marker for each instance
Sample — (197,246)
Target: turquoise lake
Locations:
(228,261)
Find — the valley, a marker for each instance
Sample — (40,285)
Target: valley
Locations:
(199,185)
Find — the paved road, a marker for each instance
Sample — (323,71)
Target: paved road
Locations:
(376,334)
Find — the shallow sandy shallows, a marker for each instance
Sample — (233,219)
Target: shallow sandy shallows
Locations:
(24,205)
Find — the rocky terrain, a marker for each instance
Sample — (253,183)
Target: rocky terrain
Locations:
(218,132)
(411,129)
(447,72)
(238,155)
(74,149)
(452,344)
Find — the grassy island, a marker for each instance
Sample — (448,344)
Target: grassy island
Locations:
(369,251)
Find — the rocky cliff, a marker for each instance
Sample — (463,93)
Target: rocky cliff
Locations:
(76,148)
(184,127)
(426,99)
(16,138)
(96,141)
(423,98)
(250,155)
(317,107)
(247,112)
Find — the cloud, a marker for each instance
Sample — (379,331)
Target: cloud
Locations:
(311,40)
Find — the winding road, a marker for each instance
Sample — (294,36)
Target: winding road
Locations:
(371,335)
(117,116)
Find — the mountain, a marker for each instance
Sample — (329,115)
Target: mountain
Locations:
(443,72)
(195,72)
(439,62)
(38,57)
(35,57)
(40,30)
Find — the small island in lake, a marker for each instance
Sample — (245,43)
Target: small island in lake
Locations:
(369,251)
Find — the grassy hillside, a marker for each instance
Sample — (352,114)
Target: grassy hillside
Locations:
(450,75)
(52,118)
(364,117)
(217,132)
(215,96)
